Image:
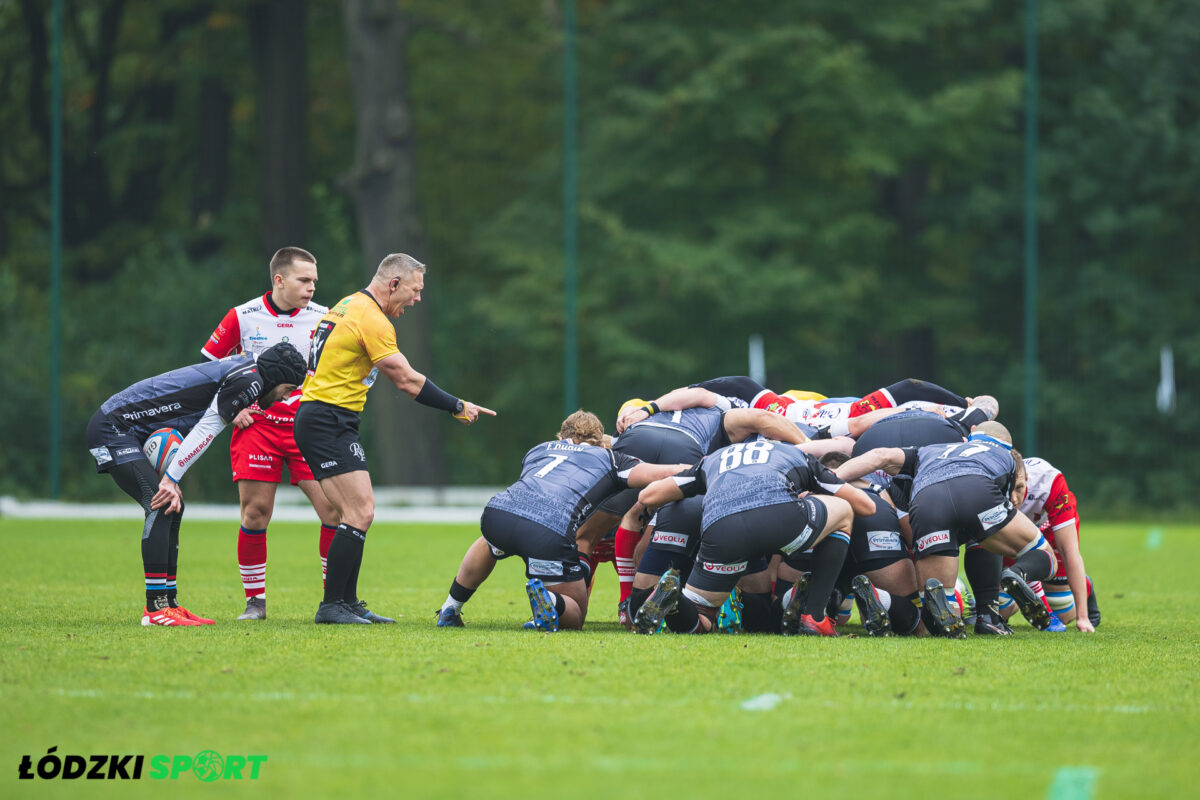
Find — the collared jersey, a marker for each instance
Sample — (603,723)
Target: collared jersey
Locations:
(254,326)
(347,343)
(1048,501)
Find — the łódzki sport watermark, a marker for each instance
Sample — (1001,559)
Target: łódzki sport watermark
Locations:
(207,766)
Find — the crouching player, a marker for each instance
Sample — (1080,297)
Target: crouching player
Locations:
(198,401)
(960,492)
(1050,503)
(537,517)
(752,508)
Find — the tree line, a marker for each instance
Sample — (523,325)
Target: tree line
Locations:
(846,185)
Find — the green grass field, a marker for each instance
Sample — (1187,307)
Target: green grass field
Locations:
(412,711)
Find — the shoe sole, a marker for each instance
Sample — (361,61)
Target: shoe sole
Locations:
(729,618)
(545,617)
(872,613)
(1031,607)
(654,610)
(935,600)
(791,612)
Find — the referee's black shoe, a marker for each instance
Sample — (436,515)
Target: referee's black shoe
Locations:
(1030,604)
(338,614)
(361,609)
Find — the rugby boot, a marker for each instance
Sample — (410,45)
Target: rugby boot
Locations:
(256,608)
(990,623)
(545,616)
(529,626)
(361,609)
(791,612)
(623,616)
(729,618)
(1056,625)
(871,612)
(450,617)
(1030,604)
(661,602)
(946,621)
(337,613)
(195,617)
(1093,607)
(810,627)
(166,617)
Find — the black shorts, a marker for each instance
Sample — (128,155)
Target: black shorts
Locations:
(729,545)
(875,540)
(547,554)
(907,430)
(654,445)
(110,445)
(327,436)
(675,538)
(951,513)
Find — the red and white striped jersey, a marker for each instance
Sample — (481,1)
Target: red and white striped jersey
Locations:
(253,327)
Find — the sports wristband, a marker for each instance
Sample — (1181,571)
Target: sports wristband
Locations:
(651,408)
(430,395)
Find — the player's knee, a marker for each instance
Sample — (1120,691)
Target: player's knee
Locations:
(256,516)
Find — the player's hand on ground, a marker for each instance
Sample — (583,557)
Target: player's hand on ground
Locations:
(169,497)
(244,418)
(471,412)
(1084,625)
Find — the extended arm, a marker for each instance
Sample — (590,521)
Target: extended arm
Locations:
(741,423)
(888,459)
(420,388)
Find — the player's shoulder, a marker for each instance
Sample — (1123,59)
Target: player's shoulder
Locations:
(316,308)
(254,305)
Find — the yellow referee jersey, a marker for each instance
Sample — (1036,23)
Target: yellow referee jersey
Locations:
(346,345)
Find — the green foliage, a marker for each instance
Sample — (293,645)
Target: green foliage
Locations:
(846,184)
(479,711)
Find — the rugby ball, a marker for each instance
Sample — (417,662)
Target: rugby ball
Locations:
(161,447)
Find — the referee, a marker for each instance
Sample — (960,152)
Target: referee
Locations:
(351,345)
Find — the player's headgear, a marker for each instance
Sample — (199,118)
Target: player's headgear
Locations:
(635,402)
(281,363)
(797,394)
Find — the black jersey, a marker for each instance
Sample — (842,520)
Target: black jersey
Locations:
(562,482)
(751,475)
(179,398)
(980,455)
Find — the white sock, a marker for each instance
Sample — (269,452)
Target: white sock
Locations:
(885,599)
(452,603)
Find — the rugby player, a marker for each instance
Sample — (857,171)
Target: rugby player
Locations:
(681,433)
(753,508)
(919,428)
(1050,504)
(536,519)
(262,442)
(351,345)
(966,491)
(198,401)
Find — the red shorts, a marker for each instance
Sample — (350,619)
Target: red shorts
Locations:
(259,452)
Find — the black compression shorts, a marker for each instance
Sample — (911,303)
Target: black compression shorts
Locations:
(654,445)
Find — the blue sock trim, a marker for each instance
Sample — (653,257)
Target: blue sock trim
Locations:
(249,532)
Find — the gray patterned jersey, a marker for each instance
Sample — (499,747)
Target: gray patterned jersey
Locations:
(753,475)
(562,482)
(984,456)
